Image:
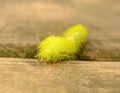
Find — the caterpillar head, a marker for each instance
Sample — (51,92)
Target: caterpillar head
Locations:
(76,34)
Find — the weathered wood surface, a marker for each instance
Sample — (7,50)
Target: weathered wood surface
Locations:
(29,76)
(26,22)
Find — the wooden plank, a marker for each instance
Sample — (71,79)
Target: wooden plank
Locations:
(24,24)
(29,76)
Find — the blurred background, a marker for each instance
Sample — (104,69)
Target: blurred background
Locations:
(25,23)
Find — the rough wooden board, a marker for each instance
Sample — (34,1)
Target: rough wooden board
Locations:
(24,23)
(29,76)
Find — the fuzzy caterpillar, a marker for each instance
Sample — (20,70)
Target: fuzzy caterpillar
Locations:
(56,48)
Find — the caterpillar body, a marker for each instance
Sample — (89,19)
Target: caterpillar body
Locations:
(65,47)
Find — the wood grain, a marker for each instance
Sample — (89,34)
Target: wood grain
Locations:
(30,76)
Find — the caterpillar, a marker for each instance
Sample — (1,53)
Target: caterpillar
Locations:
(65,47)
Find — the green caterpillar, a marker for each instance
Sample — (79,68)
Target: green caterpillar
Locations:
(56,48)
